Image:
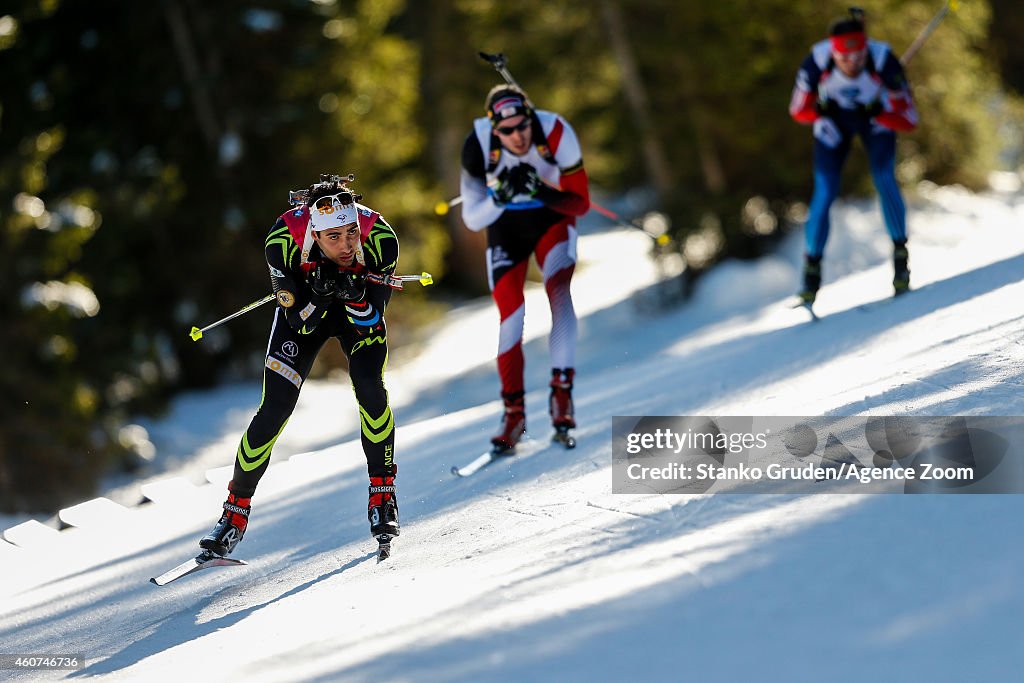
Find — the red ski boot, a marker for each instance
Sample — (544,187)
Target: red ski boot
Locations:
(382,508)
(513,424)
(560,406)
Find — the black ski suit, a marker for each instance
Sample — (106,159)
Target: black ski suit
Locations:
(301,328)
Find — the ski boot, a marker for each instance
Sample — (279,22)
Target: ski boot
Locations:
(382,511)
(513,423)
(230,528)
(382,508)
(901,271)
(560,406)
(812,280)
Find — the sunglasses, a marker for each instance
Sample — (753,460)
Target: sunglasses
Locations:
(327,204)
(508,130)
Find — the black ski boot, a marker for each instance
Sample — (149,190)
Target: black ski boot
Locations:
(901,271)
(382,508)
(812,279)
(230,528)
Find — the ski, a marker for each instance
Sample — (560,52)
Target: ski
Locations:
(204,560)
(483,460)
(807,306)
(383,547)
(525,447)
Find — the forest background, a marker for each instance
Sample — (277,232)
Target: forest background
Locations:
(146,149)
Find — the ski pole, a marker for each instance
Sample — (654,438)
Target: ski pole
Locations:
(398,281)
(927,31)
(661,240)
(392,281)
(441,208)
(197,333)
(500,64)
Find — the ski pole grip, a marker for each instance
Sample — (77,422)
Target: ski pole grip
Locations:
(498,61)
(398,281)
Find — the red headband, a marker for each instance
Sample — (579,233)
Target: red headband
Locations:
(849,42)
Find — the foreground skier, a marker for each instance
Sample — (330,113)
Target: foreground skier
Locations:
(320,255)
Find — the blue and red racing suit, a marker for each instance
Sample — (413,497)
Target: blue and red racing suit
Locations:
(874,105)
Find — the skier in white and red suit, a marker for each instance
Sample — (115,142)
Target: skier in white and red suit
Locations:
(523,181)
(851,86)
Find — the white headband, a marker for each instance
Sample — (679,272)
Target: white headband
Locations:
(324,215)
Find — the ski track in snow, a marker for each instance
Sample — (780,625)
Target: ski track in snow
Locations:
(532,569)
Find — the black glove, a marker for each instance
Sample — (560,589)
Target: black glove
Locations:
(321,281)
(525,180)
(502,188)
(827,108)
(351,286)
(365,319)
(873,109)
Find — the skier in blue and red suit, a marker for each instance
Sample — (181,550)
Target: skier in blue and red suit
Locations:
(850,86)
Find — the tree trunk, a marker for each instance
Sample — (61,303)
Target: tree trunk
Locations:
(657,165)
(465,260)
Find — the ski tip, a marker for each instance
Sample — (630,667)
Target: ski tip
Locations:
(808,306)
(455,471)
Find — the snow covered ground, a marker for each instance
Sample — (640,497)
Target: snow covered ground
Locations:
(533,569)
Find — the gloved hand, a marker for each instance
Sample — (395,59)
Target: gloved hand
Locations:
(826,107)
(321,281)
(501,187)
(350,286)
(524,180)
(365,319)
(873,109)
(827,132)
